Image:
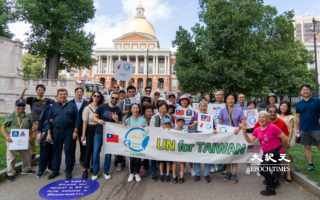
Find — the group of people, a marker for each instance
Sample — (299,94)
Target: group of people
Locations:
(57,124)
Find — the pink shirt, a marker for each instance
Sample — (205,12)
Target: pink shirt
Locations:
(269,137)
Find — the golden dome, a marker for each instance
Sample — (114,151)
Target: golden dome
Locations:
(139,25)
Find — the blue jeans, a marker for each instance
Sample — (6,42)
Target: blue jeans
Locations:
(97,144)
(197,169)
(153,166)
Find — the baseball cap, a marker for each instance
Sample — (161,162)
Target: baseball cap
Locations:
(180,118)
(20,101)
(156,92)
(172,94)
(122,90)
(166,120)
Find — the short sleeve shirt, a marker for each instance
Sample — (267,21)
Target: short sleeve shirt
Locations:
(140,121)
(11,121)
(268,138)
(37,106)
(195,118)
(279,123)
(87,114)
(104,112)
(236,115)
(309,114)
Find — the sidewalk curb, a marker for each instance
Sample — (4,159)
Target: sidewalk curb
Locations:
(302,180)
(18,166)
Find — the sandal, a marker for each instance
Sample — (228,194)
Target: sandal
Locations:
(227,177)
(175,180)
(234,178)
(181,180)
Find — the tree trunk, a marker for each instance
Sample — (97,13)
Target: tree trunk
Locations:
(54,60)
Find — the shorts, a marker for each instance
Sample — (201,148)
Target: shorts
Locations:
(310,138)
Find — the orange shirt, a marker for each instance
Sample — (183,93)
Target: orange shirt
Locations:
(279,123)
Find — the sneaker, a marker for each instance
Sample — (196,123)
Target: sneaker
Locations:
(130,178)
(248,171)
(29,172)
(33,157)
(144,172)
(11,178)
(192,172)
(138,178)
(288,181)
(258,174)
(85,174)
(196,178)
(95,176)
(207,179)
(119,167)
(40,174)
(154,177)
(167,178)
(162,178)
(310,168)
(49,171)
(106,175)
(212,170)
(141,168)
(268,192)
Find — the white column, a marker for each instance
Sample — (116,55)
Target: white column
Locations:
(157,64)
(153,65)
(145,64)
(100,61)
(165,64)
(169,71)
(137,65)
(119,58)
(97,64)
(108,65)
(128,59)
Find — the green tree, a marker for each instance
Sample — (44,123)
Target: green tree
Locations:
(239,46)
(5,17)
(57,32)
(33,66)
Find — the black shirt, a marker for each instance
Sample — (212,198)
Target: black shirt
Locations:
(37,106)
(105,113)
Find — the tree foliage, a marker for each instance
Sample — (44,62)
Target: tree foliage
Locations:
(239,46)
(33,66)
(5,18)
(57,32)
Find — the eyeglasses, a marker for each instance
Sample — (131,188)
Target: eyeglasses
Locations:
(114,98)
(97,96)
(148,90)
(116,87)
(21,105)
(146,100)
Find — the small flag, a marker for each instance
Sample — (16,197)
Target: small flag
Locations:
(180,112)
(205,118)
(112,138)
(253,149)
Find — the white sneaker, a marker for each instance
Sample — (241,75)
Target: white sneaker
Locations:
(258,174)
(49,171)
(192,172)
(119,167)
(106,176)
(131,178)
(138,178)
(212,170)
(248,171)
(95,177)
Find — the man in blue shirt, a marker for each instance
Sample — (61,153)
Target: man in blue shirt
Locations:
(307,122)
(63,130)
(241,102)
(81,104)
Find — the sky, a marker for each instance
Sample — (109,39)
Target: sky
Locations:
(165,16)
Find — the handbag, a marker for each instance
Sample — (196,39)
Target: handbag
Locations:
(293,139)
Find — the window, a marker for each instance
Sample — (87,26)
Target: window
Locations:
(126,46)
(141,68)
(150,68)
(161,69)
(160,84)
(174,84)
(311,65)
(133,69)
(135,46)
(118,46)
(161,59)
(151,46)
(141,59)
(105,59)
(143,46)
(149,82)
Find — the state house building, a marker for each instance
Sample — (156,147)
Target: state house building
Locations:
(138,35)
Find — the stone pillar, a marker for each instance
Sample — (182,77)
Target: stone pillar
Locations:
(119,58)
(145,64)
(157,64)
(137,65)
(169,70)
(128,58)
(153,65)
(165,64)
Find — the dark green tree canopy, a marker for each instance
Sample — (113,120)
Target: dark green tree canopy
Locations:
(5,18)
(239,46)
(57,32)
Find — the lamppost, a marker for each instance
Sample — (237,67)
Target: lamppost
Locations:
(313,29)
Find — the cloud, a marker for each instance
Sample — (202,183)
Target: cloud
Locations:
(19,29)
(96,4)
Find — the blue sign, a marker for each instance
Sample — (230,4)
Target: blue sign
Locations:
(69,189)
(15,133)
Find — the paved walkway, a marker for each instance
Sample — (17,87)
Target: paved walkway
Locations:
(248,187)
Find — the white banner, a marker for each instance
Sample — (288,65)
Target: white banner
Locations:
(132,100)
(168,145)
(252,117)
(205,122)
(214,109)
(20,139)
(123,70)
(196,107)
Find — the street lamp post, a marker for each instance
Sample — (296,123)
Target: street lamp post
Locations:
(313,29)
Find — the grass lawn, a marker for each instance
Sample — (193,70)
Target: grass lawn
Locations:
(3,149)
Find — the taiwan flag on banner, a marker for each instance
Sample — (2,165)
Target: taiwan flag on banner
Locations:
(180,112)
(112,138)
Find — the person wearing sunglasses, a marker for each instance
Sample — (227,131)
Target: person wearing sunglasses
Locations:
(108,112)
(147,91)
(19,119)
(81,104)
(89,128)
(145,100)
